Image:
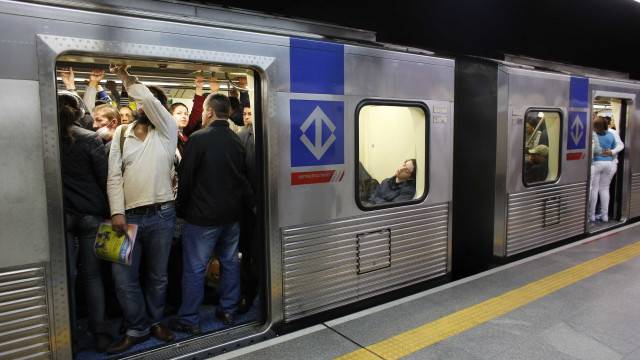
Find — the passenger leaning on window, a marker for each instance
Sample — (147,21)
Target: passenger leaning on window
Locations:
(139,188)
(84,181)
(602,170)
(401,187)
(212,189)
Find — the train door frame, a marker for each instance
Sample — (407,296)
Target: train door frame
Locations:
(621,202)
(49,49)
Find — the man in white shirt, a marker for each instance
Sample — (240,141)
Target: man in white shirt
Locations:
(140,192)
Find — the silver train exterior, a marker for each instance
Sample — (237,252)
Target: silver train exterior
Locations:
(502,216)
(313,231)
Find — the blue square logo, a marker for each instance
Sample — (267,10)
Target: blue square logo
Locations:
(578,92)
(317,132)
(577,133)
(316,67)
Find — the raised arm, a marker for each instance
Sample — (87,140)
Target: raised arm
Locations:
(155,111)
(619,144)
(91,92)
(68,79)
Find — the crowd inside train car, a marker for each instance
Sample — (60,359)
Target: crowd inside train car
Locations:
(185,180)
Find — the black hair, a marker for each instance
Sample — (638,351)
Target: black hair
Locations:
(159,94)
(173,107)
(235,103)
(68,116)
(415,168)
(220,105)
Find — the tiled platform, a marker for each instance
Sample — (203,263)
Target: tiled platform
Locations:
(597,317)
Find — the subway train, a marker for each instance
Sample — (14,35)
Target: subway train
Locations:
(337,117)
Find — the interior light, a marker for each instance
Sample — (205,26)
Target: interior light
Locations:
(541,114)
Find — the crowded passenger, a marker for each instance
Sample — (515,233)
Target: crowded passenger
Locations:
(249,237)
(400,187)
(536,166)
(105,121)
(619,144)
(126,115)
(84,180)
(139,189)
(71,97)
(212,190)
(603,168)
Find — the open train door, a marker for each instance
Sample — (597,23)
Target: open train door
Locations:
(616,107)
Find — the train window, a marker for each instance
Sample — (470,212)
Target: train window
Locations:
(542,144)
(391,152)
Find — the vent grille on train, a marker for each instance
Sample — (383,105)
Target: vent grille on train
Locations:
(545,215)
(24,320)
(343,261)
(635,196)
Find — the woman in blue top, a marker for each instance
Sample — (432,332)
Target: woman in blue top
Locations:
(602,170)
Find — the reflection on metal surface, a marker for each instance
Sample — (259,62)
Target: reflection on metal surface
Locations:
(635,195)
(24,319)
(546,215)
(321,261)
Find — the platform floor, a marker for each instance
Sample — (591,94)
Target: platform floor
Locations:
(580,301)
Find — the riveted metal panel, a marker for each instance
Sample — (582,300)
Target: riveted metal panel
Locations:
(635,195)
(544,216)
(24,319)
(320,262)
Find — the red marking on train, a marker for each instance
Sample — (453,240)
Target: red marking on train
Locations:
(311,177)
(575,156)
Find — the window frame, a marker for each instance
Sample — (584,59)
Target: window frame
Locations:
(560,145)
(427,129)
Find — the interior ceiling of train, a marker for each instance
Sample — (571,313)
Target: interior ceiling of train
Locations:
(173,76)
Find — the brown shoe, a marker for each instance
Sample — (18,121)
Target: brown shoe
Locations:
(162,332)
(126,343)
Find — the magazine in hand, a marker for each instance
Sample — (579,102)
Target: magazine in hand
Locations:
(111,247)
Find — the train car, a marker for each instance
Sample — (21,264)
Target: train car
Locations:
(336,117)
(523,154)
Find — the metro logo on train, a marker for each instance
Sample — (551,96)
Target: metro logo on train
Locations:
(577,130)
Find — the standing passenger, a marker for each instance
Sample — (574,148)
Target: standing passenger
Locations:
(249,236)
(84,181)
(602,170)
(212,189)
(139,188)
(126,115)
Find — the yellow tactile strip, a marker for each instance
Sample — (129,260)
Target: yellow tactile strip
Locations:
(426,335)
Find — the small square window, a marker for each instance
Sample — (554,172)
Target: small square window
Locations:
(542,147)
(392,154)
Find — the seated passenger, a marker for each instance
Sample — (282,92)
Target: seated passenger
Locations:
(535,137)
(536,166)
(401,187)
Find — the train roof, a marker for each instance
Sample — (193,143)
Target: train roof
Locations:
(224,17)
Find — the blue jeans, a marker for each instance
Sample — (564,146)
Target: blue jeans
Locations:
(81,234)
(198,243)
(155,233)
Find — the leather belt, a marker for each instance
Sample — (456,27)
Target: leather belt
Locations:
(149,209)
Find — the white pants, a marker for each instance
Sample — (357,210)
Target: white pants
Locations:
(601,174)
